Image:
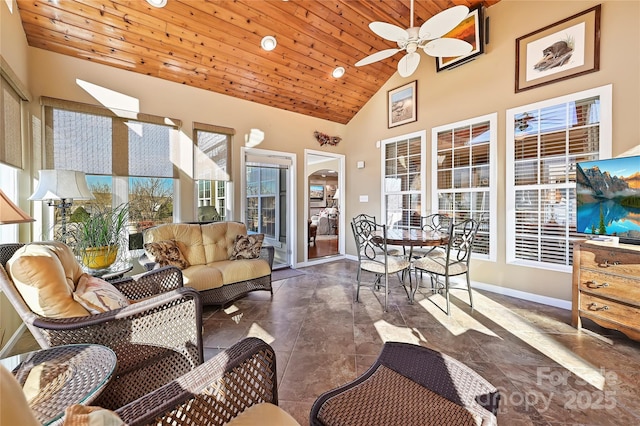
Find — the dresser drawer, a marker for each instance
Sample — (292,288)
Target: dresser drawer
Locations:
(625,288)
(610,260)
(610,310)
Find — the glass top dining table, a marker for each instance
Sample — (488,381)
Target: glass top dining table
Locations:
(416,237)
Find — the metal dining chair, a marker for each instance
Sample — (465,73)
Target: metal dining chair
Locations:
(432,222)
(373,256)
(391,251)
(454,262)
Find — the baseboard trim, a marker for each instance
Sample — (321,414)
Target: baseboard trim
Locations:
(532,297)
(12,341)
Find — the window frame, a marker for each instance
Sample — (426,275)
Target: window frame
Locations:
(220,180)
(422,135)
(604,151)
(492,188)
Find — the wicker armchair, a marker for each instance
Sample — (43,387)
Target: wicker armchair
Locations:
(215,392)
(155,339)
(410,385)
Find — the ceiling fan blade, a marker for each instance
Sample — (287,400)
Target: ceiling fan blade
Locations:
(389,31)
(408,64)
(440,24)
(378,56)
(449,47)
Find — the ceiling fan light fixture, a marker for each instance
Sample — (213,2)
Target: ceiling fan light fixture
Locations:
(268,43)
(430,37)
(157,3)
(338,72)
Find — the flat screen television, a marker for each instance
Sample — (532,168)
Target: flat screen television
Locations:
(316,192)
(608,198)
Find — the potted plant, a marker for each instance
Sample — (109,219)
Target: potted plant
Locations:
(98,236)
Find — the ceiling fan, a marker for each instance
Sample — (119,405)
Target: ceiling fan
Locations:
(427,37)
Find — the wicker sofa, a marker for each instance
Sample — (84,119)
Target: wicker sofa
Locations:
(207,248)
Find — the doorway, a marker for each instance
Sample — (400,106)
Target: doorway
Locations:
(325,230)
(267,200)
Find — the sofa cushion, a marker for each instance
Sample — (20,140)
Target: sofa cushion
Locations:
(218,239)
(202,277)
(265,414)
(45,274)
(97,295)
(247,247)
(234,271)
(188,234)
(167,253)
(217,274)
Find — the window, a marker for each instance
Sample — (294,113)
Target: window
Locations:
(127,157)
(403,163)
(213,169)
(12,93)
(464,177)
(544,142)
(262,190)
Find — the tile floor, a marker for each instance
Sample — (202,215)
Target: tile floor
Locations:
(548,373)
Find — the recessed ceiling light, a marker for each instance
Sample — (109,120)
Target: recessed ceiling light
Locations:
(157,3)
(338,72)
(268,43)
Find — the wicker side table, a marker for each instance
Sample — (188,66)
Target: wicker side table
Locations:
(55,378)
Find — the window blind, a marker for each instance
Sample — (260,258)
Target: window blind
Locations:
(103,141)
(212,151)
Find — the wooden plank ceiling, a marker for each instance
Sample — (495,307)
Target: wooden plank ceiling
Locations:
(215,45)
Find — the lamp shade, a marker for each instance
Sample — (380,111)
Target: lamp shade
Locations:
(60,185)
(336,194)
(10,213)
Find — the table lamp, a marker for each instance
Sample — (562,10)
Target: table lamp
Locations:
(10,213)
(336,197)
(59,188)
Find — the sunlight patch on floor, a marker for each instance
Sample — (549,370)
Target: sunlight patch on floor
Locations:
(459,322)
(389,332)
(540,341)
(256,331)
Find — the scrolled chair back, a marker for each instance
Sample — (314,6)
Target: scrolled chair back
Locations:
(435,222)
(370,237)
(461,237)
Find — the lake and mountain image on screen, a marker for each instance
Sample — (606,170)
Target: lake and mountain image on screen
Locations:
(608,197)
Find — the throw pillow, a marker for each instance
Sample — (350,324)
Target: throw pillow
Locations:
(45,283)
(247,246)
(97,295)
(166,253)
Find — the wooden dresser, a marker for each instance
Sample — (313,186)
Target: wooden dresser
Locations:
(606,285)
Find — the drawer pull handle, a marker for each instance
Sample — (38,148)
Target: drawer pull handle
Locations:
(593,284)
(607,264)
(595,307)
